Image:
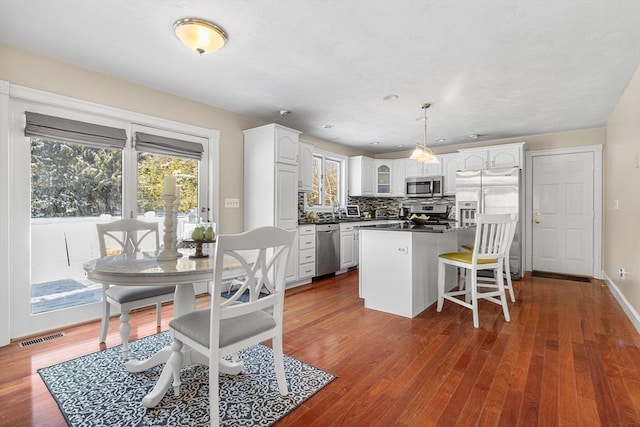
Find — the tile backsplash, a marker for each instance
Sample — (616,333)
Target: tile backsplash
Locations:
(383,206)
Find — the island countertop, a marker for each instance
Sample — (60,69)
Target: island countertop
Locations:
(416,228)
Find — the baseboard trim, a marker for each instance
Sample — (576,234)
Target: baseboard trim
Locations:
(631,312)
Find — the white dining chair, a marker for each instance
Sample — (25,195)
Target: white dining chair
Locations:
(126,236)
(490,249)
(247,314)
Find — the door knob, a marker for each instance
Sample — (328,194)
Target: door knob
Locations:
(537,221)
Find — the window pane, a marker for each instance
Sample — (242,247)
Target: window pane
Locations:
(71,186)
(152,169)
(331,182)
(313,197)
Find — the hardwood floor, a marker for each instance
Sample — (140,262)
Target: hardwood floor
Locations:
(569,357)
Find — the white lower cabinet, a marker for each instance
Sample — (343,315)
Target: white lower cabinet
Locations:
(348,246)
(306,254)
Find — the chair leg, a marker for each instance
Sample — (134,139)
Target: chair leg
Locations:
(509,283)
(158,314)
(474,297)
(441,271)
(278,361)
(104,326)
(214,398)
(503,296)
(125,330)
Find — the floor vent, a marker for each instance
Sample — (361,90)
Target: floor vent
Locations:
(38,340)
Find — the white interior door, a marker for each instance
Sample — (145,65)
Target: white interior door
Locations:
(563,213)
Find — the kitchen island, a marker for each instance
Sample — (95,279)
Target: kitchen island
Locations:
(399,265)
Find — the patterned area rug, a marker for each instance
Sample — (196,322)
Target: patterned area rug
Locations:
(96,389)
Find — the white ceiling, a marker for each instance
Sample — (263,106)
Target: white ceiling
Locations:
(494,68)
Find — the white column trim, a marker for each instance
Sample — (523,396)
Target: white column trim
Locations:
(5,237)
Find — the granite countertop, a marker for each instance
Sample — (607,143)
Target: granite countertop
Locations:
(341,220)
(407,226)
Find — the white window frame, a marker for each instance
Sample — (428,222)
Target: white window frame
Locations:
(342,196)
(15,194)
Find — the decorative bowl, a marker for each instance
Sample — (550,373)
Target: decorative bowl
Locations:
(419,221)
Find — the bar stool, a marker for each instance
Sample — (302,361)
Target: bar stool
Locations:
(491,281)
(491,246)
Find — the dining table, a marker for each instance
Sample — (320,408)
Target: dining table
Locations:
(144,268)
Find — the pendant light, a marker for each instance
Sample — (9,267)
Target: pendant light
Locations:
(199,35)
(422,153)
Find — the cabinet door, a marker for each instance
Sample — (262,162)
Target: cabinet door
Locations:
(286,196)
(305,167)
(506,157)
(368,175)
(432,169)
(383,177)
(346,250)
(474,160)
(286,146)
(413,168)
(397,178)
(291,273)
(450,165)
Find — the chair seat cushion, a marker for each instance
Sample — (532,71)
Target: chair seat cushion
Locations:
(196,326)
(465,257)
(125,294)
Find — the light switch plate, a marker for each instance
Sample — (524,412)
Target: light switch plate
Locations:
(232,203)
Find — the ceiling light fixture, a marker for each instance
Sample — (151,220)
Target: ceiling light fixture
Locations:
(392,97)
(199,35)
(421,152)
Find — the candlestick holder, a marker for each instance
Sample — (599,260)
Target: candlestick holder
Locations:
(169,251)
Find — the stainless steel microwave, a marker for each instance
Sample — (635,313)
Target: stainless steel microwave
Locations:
(424,186)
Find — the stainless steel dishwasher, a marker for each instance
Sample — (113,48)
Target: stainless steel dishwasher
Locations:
(327,248)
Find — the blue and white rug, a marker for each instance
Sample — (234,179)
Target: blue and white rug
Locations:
(96,389)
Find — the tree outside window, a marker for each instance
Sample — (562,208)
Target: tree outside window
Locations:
(326,182)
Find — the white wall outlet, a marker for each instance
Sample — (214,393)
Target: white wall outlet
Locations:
(621,272)
(232,203)
(402,250)
(616,204)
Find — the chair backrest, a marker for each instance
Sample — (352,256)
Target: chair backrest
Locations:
(262,254)
(493,236)
(127,235)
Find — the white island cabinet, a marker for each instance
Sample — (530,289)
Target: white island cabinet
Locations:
(399,269)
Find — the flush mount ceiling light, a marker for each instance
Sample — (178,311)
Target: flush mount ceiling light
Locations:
(199,35)
(421,152)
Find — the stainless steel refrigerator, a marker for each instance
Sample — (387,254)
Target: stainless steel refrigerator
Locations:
(493,191)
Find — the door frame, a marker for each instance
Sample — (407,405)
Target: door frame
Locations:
(11,96)
(597,202)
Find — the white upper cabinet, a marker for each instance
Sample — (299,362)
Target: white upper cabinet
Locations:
(496,156)
(383,176)
(361,176)
(451,163)
(413,168)
(432,169)
(397,178)
(286,145)
(305,167)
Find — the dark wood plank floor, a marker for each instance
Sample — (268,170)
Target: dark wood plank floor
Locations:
(569,357)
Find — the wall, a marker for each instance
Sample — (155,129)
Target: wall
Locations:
(42,73)
(622,175)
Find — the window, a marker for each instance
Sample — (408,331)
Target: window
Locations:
(328,181)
